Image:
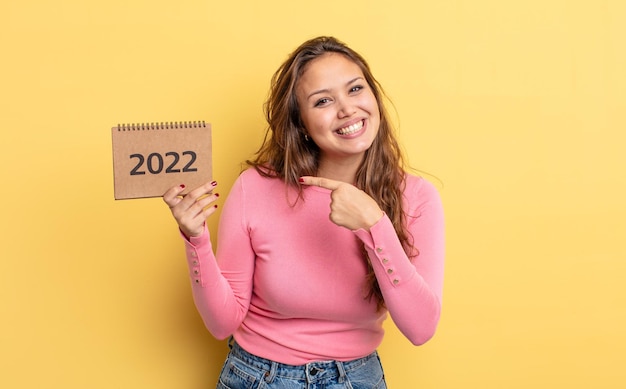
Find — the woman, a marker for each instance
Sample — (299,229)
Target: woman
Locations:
(320,238)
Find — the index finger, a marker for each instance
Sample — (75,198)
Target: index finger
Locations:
(321,182)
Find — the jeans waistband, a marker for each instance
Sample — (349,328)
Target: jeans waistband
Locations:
(312,371)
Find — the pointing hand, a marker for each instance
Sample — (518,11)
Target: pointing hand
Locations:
(350,207)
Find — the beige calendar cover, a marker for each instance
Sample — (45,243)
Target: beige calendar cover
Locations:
(150,158)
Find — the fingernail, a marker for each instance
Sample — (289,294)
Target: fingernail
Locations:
(182,186)
(215,206)
(301,179)
(213,183)
(216,194)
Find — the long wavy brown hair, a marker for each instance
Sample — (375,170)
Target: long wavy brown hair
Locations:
(285,153)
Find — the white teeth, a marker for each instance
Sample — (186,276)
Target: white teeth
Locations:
(350,129)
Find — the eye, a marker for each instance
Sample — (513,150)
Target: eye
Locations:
(356,88)
(321,102)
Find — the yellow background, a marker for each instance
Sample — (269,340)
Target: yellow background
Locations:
(517,107)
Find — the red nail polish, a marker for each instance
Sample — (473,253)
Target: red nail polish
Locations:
(214,183)
(182,186)
(216,194)
(301,179)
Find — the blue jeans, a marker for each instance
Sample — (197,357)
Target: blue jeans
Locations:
(243,370)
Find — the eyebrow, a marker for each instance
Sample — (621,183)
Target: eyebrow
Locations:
(328,90)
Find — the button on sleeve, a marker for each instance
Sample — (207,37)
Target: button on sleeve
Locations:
(194,247)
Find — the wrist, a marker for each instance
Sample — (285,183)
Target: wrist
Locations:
(192,234)
(373,218)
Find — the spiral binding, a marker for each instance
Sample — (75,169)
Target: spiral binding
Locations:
(160,125)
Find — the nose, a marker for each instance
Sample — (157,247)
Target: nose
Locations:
(346,109)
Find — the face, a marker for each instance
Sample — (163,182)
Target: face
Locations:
(338,108)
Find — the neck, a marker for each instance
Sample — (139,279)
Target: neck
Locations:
(339,170)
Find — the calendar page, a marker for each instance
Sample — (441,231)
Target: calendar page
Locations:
(150,158)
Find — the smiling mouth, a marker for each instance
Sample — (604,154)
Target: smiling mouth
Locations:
(350,129)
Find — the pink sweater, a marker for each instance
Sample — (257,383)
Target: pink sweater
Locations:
(290,285)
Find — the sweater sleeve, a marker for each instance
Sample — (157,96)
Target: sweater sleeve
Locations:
(412,288)
(222,283)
